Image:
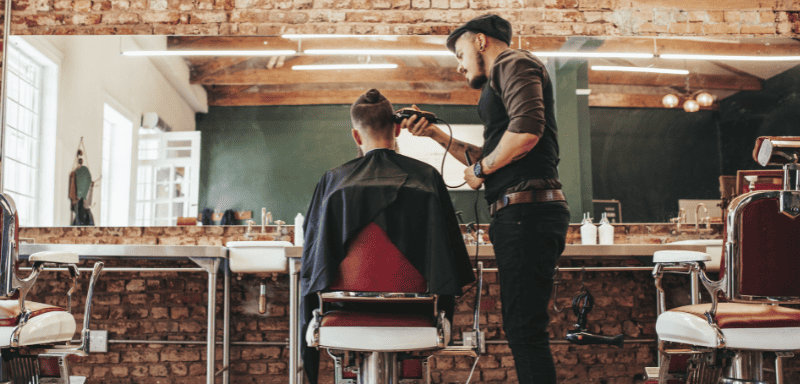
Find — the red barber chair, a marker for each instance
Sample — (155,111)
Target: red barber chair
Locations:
(759,272)
(393,325)
(26,324)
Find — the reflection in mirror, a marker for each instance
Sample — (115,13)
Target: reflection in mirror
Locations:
(167,136)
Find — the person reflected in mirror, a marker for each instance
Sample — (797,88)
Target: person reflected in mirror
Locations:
(517,165)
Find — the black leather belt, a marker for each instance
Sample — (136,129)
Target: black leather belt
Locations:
(535,196)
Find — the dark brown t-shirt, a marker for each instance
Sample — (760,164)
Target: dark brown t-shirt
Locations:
(519,98)
(520,79)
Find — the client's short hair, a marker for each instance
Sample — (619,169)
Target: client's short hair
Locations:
(373,112)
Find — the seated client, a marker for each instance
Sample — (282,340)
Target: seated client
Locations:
(406,198)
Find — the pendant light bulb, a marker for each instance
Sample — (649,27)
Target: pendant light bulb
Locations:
(691,106)
(670,101)
(705,99)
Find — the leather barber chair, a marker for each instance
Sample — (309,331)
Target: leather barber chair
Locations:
(728,338)
(27,325)
(392,325)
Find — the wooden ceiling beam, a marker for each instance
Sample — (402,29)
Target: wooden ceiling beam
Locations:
(285,75)
(199,73)
(665,80)
(219,97)
(434,43)
(625,100)
(734,70)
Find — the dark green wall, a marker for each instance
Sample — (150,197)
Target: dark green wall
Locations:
(272,157)
(573,119)
(773,111)
(649,158)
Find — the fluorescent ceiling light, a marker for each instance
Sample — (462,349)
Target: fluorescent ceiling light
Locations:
(343,66)
(389,52)
(640,69)
(583,92)
(725,57)
(211,53)
(595,55)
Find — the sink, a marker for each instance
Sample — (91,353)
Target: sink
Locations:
(713,249)
(258,256)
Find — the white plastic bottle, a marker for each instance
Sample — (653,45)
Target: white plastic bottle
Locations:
(606,231)
(588,231)
(298,230)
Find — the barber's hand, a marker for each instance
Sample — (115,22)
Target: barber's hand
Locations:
(473,181)
(418,126)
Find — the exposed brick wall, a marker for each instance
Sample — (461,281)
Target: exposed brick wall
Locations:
(404,17)
(172,306)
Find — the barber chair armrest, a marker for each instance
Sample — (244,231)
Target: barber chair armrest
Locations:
(55,257)
(680,257)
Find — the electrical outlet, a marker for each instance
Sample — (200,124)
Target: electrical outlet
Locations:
(98,341)
(474,339)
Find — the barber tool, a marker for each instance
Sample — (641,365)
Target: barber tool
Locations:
(405,113)
(582,304)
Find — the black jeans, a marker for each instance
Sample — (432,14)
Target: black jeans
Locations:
(528,238)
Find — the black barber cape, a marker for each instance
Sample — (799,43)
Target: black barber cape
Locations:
(408,200)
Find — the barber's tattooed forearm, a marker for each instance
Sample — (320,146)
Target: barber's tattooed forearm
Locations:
(512,147)
(475,153)
(490,161)
(458,148)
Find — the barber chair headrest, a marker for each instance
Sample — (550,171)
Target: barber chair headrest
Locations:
(777,150)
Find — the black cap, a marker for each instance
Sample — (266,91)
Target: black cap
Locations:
(490,25)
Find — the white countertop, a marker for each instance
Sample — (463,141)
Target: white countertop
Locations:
(574,251)
(138,251)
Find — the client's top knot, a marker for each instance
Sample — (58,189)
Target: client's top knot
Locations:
(373,96)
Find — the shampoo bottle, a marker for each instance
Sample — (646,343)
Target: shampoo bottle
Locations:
(298,230)
(606,231)
(588,231)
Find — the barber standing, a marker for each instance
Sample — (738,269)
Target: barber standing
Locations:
(518,166)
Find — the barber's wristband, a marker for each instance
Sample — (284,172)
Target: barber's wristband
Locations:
(477,169)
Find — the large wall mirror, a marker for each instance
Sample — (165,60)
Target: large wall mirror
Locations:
(142,130)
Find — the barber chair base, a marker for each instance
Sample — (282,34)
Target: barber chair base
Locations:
(378,368)
(47,328)
(706,366)
(771,328)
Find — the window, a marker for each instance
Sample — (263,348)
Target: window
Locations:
(29,140)
(167,178)
(116,181)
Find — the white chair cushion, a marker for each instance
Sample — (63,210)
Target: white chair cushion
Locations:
(679,256)
(773,328)
(55,257)
(379,338)
(47,328)
(360,331)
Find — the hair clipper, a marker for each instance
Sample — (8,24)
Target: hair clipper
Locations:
(406,113)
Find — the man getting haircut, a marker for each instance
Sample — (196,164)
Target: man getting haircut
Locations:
(405,197)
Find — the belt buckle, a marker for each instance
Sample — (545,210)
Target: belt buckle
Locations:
(504,201)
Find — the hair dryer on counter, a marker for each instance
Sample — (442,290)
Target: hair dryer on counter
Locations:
(581,335)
